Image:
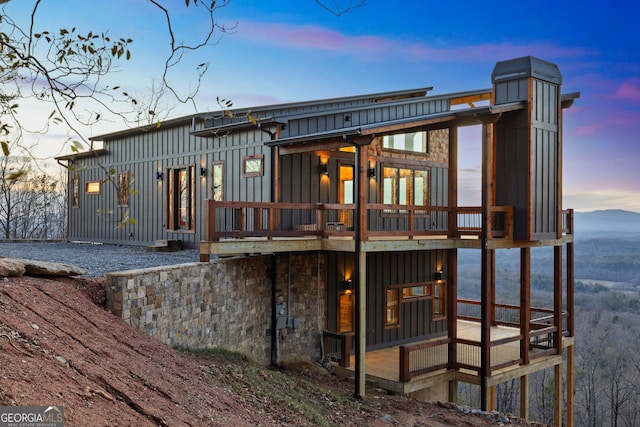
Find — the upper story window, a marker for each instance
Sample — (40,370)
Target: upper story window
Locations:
(253,166)
(92,187)
(181,198)
(413,141)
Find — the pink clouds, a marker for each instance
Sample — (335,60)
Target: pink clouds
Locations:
(628,91)
(316,37)
(311,37)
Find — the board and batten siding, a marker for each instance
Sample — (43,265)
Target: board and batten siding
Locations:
(384,270)
(144,154)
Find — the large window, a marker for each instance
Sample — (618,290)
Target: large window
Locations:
(181,198)
(393,308)
(123,189)
(405,186)
(439,300)
(413,141)
(217,183)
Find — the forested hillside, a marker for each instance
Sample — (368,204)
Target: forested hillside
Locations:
(607,298)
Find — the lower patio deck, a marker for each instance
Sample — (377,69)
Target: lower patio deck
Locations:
(382,367)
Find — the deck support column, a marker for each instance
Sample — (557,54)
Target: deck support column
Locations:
(570,385)
(524,397)
(525,303)
(557,393)
(487,285)
(360,269)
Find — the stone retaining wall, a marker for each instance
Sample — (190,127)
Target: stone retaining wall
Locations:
(226,303)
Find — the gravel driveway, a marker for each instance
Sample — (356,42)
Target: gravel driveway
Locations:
(97,260)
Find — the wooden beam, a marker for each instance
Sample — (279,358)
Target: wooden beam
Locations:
(470,99)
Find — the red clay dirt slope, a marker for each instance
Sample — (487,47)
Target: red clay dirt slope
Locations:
(58,346)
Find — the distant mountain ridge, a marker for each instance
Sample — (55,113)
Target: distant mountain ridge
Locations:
(607,221)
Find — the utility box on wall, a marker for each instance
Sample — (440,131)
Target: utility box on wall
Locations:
(528,146)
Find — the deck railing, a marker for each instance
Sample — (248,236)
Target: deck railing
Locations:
(338,347)
(435,354)
(263,219)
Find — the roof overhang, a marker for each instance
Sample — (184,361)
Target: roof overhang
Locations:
(82,155)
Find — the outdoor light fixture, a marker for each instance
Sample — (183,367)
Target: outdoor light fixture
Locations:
(347,285)
(203,172)
(372,172)
(438,275)
(324,168)
(159,176)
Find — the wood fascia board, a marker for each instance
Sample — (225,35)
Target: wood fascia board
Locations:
(234,247)
(470,99)
(310,147)
(408,125)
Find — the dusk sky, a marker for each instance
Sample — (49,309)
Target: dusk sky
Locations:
(283,51)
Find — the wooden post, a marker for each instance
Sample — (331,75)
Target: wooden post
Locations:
(570,385)
(360,269)
(452,197)
(557,393)
(557,298)
(452,306)
(525,303)
(570,290)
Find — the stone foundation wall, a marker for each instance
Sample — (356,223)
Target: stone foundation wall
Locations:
(225,303)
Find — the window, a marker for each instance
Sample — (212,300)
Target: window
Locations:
(75,191)
(92,187)
(393,308)
(439,299)
(413,141)
(252,166)
(417,291)
(123,189)
(181,198)
(405,186)
(217,183)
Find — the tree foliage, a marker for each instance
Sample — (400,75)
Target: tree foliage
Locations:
(67,68)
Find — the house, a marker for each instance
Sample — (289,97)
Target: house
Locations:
(369,183)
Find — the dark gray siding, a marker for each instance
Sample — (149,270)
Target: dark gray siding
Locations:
(545,162)
(387,270)
(143,155)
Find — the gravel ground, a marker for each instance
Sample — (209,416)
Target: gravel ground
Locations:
(97,260)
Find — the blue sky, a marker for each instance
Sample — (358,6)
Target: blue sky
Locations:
(293,50)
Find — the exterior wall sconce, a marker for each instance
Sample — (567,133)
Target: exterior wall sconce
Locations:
(438,275)
(159,176)
(347,285)
(324,168)
(203,172)
(372,172)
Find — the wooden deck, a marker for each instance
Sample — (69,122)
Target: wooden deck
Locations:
(382,366)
